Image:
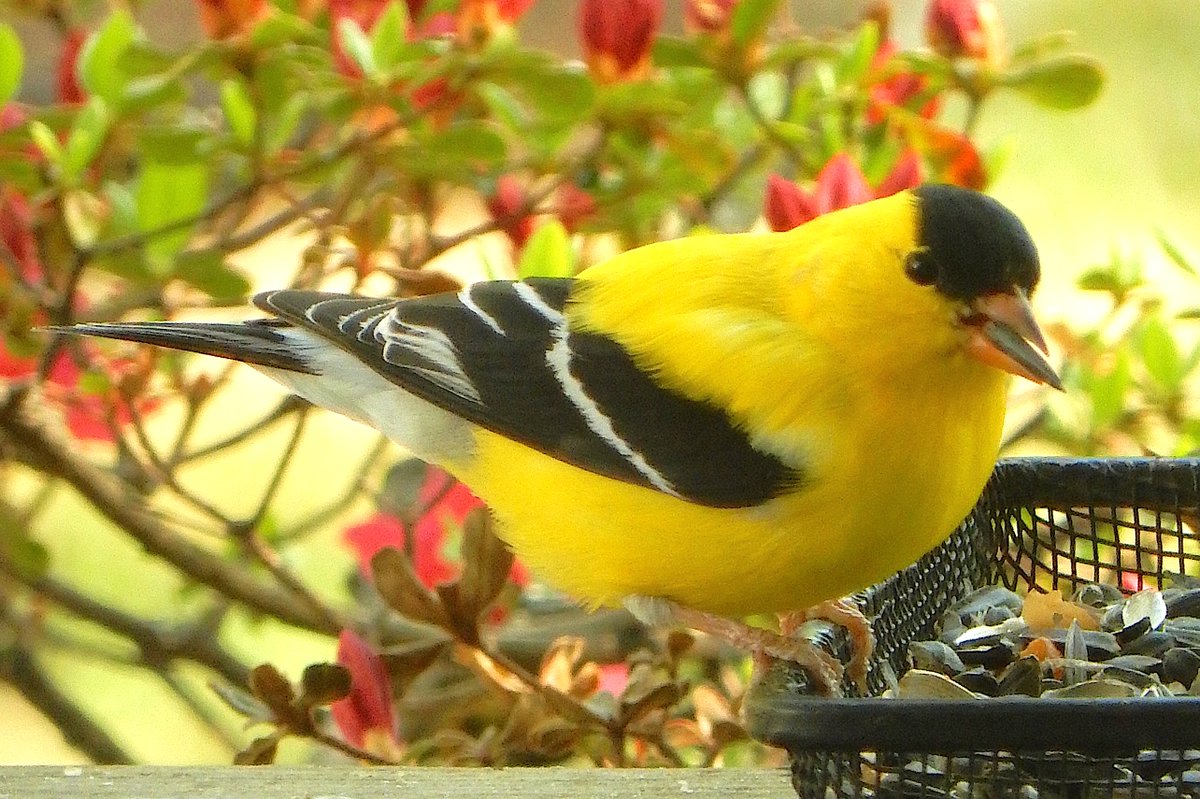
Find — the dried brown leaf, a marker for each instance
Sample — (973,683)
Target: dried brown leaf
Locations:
(273,689)
(487,562)
(260,752)
(678,643)
(402,590)
(242,702)
(323,683)
(558,664)
(407,662)
(586,681)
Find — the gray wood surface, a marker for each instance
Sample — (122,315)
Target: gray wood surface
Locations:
(338,782)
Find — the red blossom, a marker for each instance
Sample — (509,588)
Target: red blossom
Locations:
(365,715)
(573,205)
(508,206)
(841,184)
(17,234)
(69,90)
(905,174)
(968,28)
(898,89)
(613,678)
(708,16)
(617,36)
(479,20)
(223,19)
(447,503)
(787,206)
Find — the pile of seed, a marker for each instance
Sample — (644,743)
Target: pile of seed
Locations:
(1099,643)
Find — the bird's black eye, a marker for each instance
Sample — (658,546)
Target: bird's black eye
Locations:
(920,268)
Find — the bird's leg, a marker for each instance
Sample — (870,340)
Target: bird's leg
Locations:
(823,668)
(844,614)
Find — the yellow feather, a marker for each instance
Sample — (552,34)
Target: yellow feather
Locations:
(821,349)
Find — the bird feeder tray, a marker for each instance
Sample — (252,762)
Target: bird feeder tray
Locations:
(1041,525)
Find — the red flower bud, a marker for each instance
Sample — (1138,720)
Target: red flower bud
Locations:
(222,19)
(365,715)
(479,20)
(898,89)
(708,16)
(964,28)
(841,184)
(617,36)
(69,90)
(508,206)
(573,205)
(787,205)
(906,174)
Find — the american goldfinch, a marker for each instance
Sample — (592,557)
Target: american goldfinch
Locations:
(725,424)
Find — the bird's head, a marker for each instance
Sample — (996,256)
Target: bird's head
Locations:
(926,274)
(975,254)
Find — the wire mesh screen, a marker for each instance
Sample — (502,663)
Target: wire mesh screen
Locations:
(1041,525)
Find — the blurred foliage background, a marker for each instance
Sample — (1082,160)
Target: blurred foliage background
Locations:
(1107,191)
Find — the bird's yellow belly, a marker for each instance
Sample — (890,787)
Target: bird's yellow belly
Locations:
(890,496)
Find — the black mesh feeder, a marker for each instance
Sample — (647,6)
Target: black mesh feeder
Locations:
(1041,525)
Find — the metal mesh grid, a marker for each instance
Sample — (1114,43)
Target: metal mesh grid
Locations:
(1041,524)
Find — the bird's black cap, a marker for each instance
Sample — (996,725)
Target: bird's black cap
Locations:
(973,244)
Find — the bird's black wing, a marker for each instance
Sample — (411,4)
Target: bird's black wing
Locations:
(500,354)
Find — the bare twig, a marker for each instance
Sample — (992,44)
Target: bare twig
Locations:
(19,667)
(21,429)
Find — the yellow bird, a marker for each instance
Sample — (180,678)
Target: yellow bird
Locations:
(702,428)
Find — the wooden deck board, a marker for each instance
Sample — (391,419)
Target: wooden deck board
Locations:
(337,782)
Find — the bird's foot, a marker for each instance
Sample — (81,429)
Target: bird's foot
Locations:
(844,614)
(823,669)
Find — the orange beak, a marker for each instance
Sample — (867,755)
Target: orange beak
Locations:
(1003,334)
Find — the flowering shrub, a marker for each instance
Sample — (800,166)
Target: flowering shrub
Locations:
(387,134)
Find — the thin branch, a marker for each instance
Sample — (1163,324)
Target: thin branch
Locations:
(19,667)
(321,517)
(22,429)
(286,407)
(158,644)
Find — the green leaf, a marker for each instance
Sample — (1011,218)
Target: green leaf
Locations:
(547,253)
(286,122)
(461,150)
(101,64)
(1041,46)
(855,62)
(168,193)
(282,28)
(207,271)
(1063,82)
(750,18)
(1107,392)
(1175,251)
(239,111)
(389,36)
(46,141)
(1160,354)
(560,94)
(12,62)
(676,51)
(86,138)
(357,45)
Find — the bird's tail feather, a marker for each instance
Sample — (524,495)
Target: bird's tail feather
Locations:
(259,342)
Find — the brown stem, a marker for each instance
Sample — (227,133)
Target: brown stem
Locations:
(22,429)
(18,667)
